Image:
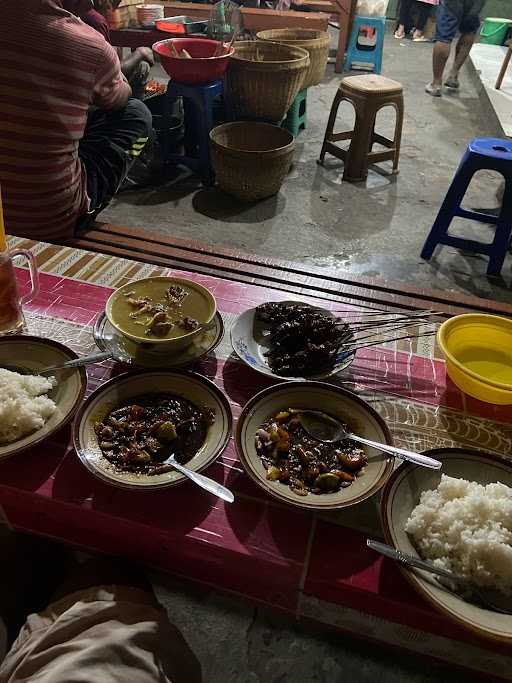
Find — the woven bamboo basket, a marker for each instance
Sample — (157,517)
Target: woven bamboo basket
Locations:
(251,159)
(264,78)
(315,42)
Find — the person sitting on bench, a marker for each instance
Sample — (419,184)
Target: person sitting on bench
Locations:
(137,66)
(69,128)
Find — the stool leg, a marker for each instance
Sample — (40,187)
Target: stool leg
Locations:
(343,38)
(451,203)
(203,136)
(356,168)
(330,124)
(503,233)
(504,68)
(379,46)
(352,43)
(190,120)
(399,108)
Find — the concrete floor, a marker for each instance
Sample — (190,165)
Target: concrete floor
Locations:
(375,228)
(238,643)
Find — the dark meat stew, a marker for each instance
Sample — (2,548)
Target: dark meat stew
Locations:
(290,455)
(140,434)
(302,340)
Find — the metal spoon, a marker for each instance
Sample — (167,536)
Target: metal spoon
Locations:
(76,363)
(485,596)
(202,481)
(327,429)
(68,365)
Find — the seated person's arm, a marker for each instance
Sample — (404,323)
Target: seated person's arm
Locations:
(130,64)
(111,89)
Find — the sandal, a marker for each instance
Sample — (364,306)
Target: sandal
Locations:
(433,90)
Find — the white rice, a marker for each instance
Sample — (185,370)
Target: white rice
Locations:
(24,406)
(465,527)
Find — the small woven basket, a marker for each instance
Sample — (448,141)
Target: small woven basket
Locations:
(315,42)
(251,159)
(264,78)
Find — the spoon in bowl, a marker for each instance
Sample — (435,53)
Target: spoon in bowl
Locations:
(68,365)
(77,362)
(327,429)
(204,482)
(487,597)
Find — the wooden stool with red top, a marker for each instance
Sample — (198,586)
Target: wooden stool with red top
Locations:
(368,94)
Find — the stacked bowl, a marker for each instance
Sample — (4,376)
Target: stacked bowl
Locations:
(147,15)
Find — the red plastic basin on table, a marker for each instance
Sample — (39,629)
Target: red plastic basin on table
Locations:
(203,67)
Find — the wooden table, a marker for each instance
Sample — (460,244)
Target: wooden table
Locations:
(315,567)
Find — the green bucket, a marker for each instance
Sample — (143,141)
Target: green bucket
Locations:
(494,31)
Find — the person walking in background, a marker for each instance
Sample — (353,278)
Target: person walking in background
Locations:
(453,16)
(406,23)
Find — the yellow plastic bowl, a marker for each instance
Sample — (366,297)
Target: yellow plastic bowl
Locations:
(478,353)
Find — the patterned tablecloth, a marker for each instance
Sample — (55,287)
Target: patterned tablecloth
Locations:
(314,566)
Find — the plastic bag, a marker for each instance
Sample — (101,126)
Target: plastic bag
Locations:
(372,8)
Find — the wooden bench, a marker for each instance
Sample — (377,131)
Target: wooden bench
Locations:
(332,284)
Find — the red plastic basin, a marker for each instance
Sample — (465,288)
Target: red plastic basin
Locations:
(203,67)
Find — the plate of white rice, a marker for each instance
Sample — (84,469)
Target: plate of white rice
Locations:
(33,407)
(460,518)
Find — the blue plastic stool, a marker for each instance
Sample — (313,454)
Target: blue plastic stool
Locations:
(366,56)
(491,154)
(198,117)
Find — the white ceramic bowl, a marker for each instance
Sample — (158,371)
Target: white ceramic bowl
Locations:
(174,344)
(31,354)
(400,497)
(361,418)
(189,385)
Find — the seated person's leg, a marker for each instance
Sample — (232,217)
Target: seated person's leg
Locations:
(111,143)
(109,629)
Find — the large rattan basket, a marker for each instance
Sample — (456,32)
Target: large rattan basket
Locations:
(315,42)
(251,159)
(264,78)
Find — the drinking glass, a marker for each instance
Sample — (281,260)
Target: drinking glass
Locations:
(11,313)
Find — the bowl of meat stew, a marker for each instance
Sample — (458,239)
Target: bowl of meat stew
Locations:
(129,426)
(162,313)
(289,464)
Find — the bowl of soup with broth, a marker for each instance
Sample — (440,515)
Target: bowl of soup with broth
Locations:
(165,312)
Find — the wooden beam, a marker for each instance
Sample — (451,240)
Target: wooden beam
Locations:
(332,284)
